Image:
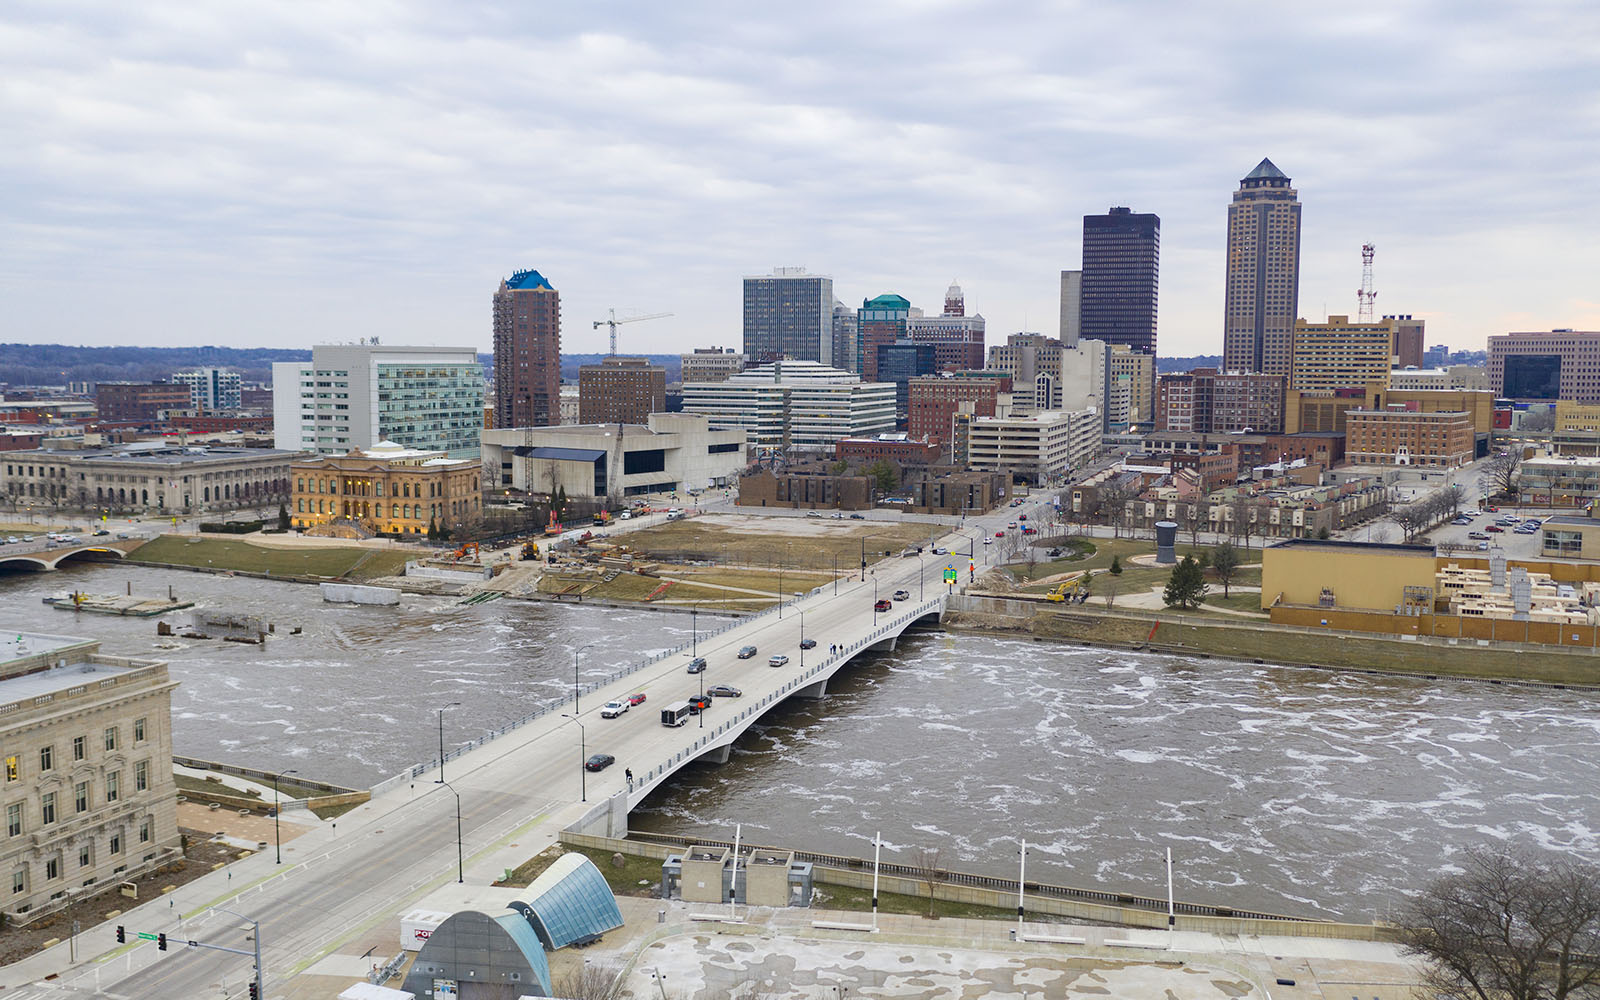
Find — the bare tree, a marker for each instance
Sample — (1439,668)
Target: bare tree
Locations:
(590,982)
(1509,926)
(927,865)
(1454,495)
(1192,520)
(1033,559)
(1112,586)
(1501,472)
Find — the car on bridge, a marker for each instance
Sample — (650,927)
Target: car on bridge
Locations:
(883,605)
(777,660)
(637,698)
(697,665)
(902,595)
(747,652)
(598,762)
(698,702)
(612,709)
(724,691)
(808,644)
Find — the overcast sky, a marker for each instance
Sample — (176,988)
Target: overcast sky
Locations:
(285,173)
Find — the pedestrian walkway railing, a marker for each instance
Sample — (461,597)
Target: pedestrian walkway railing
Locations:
(561,704)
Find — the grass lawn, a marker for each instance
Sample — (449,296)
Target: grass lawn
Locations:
(220,553)
(1250,601)
(1236,638)
(751,540)
(22,529)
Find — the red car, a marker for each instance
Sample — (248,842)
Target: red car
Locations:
(1494,527)
(636,699)
(1022,517)
(999,534)
(883,606)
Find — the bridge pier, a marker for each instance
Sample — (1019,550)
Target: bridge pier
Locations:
(818,690)
(716,755)
(607,819)
(885,645)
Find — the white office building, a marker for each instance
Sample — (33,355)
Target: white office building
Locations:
(1038,445)
(794,405)
(352,396)
(211,389)
(673,451)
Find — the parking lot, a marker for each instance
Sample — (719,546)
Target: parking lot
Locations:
(1516,546)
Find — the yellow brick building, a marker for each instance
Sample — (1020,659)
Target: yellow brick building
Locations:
(387,488)
(1339,354)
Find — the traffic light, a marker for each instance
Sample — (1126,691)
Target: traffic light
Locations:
(161,942)
(122,935)
(255,991)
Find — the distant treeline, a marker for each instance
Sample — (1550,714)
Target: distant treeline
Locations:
(58,364)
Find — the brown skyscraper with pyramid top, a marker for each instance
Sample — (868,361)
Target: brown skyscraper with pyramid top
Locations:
(1263,296)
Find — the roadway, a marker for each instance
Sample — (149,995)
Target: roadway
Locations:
(516,794)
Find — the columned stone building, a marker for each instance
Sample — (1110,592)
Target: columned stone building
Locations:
(86,789)
(153,477)
(387,489)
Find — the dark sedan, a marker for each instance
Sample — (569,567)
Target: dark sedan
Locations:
(599,762)
(724,691)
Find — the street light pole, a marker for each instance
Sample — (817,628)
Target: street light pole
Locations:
(802,640)
(277,809)
(874,600)
(583,752)
(453,704)
(461,865)
(836,574)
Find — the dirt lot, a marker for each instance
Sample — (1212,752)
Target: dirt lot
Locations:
(203,853)
(750,540)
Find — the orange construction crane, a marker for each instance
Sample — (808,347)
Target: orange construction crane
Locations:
(554,527)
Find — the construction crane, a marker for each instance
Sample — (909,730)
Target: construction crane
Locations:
(613,323)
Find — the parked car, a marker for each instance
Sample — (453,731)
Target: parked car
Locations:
(698,665)
(599,762)
(637,698)
(858,517)
(612,709)
(808,644)
(883,606)
(902,595)
(747,652)
(813,513)
(777,660)
(838,515)
(1476,534)
(724,691)
(1494,528)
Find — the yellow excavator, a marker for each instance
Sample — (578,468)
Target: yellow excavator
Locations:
(1074,591)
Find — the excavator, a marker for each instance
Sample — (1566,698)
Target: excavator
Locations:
(461,553)
(552,529)
(1074,591)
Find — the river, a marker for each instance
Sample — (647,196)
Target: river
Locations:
(1286,789)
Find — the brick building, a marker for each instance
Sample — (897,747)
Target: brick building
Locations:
(1207,401)
(933,401)
(139,402)
(621,391)
(811,486)
(527,352)
(387,489)
(901,448)
(1401,436)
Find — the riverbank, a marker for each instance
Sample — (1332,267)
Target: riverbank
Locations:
(246,556)
(1261,642)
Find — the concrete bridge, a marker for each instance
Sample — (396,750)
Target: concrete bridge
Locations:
(44,555)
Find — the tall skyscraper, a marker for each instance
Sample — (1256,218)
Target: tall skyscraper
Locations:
(788,314)
(527,352)
(846,342)
(1071,307)
(1263,294)
(880,320)
(1121,258)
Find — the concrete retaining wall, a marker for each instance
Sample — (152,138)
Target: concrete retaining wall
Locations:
(352,593)
(1099,913)
(466,574)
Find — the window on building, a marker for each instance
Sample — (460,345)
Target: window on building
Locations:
(111,738)
(14,819)
(85,856)
(19,880)
(80,795)
(116,843)
(52,869)
(138,731)
(13,768)
(144,831)
(77,748)
(47,809)
(47,758)
(141,776)
(113,786)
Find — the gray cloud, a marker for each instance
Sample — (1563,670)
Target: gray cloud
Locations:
(287,174)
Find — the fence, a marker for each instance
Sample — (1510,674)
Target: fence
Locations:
(559,704)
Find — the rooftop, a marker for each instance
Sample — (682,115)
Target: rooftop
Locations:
(1266,170)
(528,279)
(1336,543)
(37,665)
(156,453)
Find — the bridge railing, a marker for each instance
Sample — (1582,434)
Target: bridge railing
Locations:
(805,679)
(559,704)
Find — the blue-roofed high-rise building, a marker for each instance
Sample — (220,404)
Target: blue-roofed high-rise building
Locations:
(527,352)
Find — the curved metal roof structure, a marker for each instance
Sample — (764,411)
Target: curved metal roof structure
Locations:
(571,901)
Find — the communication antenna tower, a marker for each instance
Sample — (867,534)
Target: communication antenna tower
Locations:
(1365,294)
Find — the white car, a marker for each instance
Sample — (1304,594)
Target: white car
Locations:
(624,516)
(612,709)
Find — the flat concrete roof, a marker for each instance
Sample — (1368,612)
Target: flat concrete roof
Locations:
(71,666)
(16,644)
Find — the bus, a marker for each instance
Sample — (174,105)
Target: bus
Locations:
(676,714)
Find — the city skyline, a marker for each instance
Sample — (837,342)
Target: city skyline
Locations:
(293,178)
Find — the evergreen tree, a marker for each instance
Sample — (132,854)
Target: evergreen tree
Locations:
(283,517)
(1225,563)
(1187,586)
(433,530)
(1116,566)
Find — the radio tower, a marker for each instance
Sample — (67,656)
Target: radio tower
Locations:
(1365,294)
